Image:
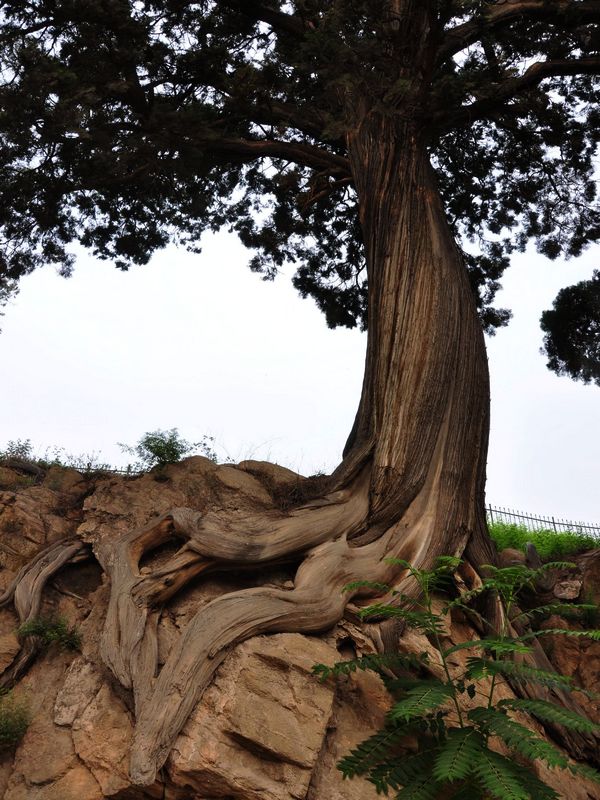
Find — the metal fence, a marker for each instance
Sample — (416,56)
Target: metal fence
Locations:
(532,523)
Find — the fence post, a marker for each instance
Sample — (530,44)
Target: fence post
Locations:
(491,515)
(554,524)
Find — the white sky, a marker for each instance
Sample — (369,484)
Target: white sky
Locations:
(202,344)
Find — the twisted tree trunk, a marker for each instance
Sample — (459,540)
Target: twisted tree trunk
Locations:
(410,484)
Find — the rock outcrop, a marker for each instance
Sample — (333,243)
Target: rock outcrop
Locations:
(266,728)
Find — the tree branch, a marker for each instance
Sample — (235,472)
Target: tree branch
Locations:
(304,154)
(277,20)
(503,13)
(511,88)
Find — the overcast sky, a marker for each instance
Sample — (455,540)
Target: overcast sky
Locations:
(202,344)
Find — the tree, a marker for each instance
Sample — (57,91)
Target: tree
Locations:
(572,328)
(368,142)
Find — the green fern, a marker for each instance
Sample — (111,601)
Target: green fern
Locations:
(454,760)
(373,750)
(506,780)
(595,635)
(420,700)
(548,712)
(458,753)
(478,668)
(373,662)
(561,609)
(497,646)
(396,773)
(518,738)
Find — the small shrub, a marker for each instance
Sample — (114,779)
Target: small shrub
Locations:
(17,448)
(14,719)
(549,544)
(54,630)
(456,756)
(159,448)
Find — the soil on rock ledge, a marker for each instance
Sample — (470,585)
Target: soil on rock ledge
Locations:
(266,728)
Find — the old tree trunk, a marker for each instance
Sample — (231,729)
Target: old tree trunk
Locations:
(410,485)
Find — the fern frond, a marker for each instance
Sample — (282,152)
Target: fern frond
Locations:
(466,597)
(372,661)
(420,620)
(482,668)
(402,684)
(538,790)
(420,700)
(498,646)
(550,713)
(553,608)
(425,787)
(470,791)
(506,780)
(398,772)
(365,756)
(458,753)
(381,588)
(587,772)
(517,736)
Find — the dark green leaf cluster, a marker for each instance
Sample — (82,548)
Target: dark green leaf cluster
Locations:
(456,754)
(126,125)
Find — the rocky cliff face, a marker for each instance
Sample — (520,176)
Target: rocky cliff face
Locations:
(266,728)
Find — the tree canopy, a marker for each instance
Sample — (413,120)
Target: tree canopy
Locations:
(125,125)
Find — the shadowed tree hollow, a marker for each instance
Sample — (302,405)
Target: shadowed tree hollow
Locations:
(395,152)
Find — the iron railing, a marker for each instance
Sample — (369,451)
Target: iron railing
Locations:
(536,523)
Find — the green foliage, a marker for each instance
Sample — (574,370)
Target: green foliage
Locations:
(159,448)
(128,125)
(52,630)
(456,756)
(572,331)
(549,544)
(14,719)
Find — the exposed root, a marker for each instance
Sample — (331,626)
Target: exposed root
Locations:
(316,603)
(26,591)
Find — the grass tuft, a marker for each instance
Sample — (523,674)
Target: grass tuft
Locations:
(14,719)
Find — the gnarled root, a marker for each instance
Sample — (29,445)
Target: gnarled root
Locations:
(316,603)
(26,591)
(319,535)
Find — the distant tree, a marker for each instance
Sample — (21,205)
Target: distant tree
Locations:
(572,328)
(395,151)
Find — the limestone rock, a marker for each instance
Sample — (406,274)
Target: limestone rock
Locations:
(266,728)
(82,683)
(9,647)
(101,738)
(567,589)
(258,731)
